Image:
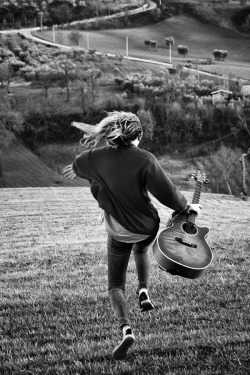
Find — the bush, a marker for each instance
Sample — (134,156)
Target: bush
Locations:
(183,50)
(11,124)
(220,54)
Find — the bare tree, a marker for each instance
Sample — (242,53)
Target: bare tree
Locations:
(46,76)
(6,75)
(243,158)
(87,82)
(75,36)
(66,70)
(11,124)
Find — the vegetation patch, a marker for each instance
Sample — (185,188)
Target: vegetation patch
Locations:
(55,308)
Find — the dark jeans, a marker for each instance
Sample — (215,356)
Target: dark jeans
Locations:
(118,258)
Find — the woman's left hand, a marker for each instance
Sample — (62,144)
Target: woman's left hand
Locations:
(194,207)
(68,172)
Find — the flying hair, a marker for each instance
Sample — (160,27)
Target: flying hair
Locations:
(117,128)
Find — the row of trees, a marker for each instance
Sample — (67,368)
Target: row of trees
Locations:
(182,49)
(48,67)
(16,13)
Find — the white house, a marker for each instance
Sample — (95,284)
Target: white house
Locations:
(220,95)
(245,90)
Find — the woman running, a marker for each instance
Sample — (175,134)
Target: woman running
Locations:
(121,175)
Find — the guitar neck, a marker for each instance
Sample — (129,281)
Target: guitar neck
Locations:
(195,200)
(197,192)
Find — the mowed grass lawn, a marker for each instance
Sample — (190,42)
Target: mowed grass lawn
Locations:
(201,38)
(55,314)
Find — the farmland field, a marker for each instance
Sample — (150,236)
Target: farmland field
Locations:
(201,39)
(55,313)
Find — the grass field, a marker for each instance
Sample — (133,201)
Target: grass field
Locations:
(55,314)
(201,39)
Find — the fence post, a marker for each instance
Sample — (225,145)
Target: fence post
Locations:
(170,59)
(53,30)
(126,46)
(87,40)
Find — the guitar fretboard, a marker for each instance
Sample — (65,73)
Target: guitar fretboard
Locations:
(197,192)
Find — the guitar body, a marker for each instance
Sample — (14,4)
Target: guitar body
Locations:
(181,251)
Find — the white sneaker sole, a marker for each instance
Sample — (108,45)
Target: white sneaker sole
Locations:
(146,305)
(121,350)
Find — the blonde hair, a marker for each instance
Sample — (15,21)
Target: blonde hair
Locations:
(118,129)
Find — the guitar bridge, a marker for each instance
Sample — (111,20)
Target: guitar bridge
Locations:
(184,242)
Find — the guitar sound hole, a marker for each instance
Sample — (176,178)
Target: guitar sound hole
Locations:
(189,228)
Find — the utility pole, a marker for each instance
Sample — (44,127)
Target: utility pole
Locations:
(53,33)
(87,40)
(41,20)
(126,46)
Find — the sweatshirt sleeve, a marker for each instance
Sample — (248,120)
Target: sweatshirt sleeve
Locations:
(81,165)
(161,187)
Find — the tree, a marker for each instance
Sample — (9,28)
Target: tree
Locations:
(87,82)
(170,41)
(93,76)
(66,70)
(183,50)
(46,76)
(6,75)
(60,14)
(120,58)
(81,83)
(154,44)
(223,170)
(245,156)
(92,52)
(242,160)
(75,36)
(11,124)
(151,43)
(148,123)
(220,54)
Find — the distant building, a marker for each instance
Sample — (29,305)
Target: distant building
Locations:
(245,90)
(221,95)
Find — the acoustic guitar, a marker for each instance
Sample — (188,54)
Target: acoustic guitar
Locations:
(181,248)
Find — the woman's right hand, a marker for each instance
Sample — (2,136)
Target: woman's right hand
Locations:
(68,172)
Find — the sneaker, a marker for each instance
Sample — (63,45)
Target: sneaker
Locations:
(121,350)
(144,300)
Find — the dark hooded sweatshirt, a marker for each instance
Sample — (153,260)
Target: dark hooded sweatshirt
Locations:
(120,180)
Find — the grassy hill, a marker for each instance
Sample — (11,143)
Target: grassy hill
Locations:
(54,303)
(22,168)
(201,38)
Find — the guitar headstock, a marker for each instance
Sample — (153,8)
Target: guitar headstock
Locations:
(200,177)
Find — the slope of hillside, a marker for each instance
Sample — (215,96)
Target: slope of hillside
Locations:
(22,168)
(201,38)
(39,218)
(54,298)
